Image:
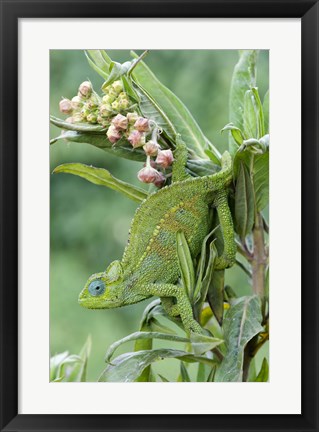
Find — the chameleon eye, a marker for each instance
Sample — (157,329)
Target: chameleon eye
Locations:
(96,288)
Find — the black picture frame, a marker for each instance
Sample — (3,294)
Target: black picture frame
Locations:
(11,11)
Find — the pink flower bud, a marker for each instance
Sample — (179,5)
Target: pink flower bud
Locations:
(70,120)
(136,139)
(85,89)
(151,148)
(113,134)
(148,175)
(132,117)
(120,122)
(65,106)
(142,124)
(160,180)
(76,102)
(164,158)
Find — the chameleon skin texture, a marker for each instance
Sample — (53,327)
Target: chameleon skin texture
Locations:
(149,266)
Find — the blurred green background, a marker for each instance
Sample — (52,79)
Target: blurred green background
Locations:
(89,223)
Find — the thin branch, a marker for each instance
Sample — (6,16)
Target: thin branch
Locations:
(137,61)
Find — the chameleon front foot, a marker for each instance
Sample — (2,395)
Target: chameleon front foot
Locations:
(182,306)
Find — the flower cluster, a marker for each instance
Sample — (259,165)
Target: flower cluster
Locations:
(88,106)
(114,112)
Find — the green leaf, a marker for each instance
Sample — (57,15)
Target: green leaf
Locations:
(153,111)
(209,272)
(78,373)
(201,373)
(202,343)
(184,374)
(261,180)
(102,177)
(128,367)
(201,268)
(142,335)
(253,115)
(179,117)
(266,111)
(201,167)
(241,324)
(78,127)
(264,372)
(122,148)
(244,77)
(55,364)
(99,61)
(117,70)
(215,294)
(244,203)
(236,133)
(186,266)
(163,379)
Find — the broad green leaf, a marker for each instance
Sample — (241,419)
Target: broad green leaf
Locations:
(117,70)
(244,77)
(266,111)
(261,180)
(186,266)
(99,61)
(244,203)
(142,335)
(168,103)
(128,367)
(102,177)
(215,294)
(201,167)
(153,111)
(202,343)
(241,324)
(78,127)
(264,372)
(122,148)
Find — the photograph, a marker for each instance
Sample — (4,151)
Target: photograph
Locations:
(159,238)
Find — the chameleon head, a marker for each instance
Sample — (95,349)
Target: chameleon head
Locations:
(103,290)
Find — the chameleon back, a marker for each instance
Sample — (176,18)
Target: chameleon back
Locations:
(151,251)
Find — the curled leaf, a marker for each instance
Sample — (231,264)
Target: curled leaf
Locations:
(102,177)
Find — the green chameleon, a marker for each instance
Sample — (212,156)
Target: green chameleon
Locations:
(149,266)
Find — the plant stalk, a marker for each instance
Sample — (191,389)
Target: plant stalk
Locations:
(259,261)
